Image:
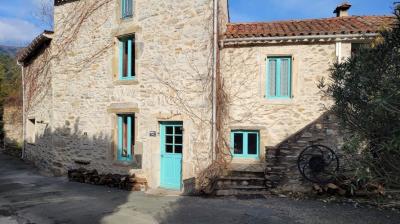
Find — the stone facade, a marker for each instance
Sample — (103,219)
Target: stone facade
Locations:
(75,112)
(38,113)
(244,73)
(173,41)
(282,172)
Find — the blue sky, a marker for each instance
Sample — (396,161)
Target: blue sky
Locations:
(268,10)
(18,25)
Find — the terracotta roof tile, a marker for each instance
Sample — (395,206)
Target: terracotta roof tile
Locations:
(327,26)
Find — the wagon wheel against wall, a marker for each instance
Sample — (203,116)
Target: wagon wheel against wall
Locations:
(318,164)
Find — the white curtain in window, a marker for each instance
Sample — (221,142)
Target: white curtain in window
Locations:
(272,78)
(284,77)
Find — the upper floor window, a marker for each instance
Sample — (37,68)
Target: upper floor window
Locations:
(357,47)
(126,8)
(126,62)
(279,77)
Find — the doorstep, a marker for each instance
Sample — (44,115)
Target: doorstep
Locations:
(163,192)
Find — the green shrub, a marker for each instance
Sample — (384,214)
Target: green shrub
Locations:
(366,93)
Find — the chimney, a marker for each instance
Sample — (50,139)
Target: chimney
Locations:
(342,10)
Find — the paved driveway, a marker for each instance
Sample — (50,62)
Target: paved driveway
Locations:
(27,197)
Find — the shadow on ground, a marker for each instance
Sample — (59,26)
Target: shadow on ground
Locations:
(27,197)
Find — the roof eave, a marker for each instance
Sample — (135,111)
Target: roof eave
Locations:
(62,2)
(28,52)
(232,42)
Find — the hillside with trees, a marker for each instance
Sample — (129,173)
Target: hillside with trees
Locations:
(10,82)
(8,50)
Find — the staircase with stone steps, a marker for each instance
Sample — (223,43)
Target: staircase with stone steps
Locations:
(241,183)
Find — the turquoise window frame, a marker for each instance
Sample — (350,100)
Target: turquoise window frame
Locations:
(278,60)
(126,9)
(245,134)
(120,147)
(164,134)
(130,41)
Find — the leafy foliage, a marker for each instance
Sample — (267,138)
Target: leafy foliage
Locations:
(10,80)
(10,84)
(366,93)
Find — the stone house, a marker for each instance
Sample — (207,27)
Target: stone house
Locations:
(134,86)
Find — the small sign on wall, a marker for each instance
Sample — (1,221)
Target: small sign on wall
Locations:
(153,134)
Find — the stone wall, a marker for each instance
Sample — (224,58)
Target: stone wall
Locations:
(244,72)
(12,118)
(173,68)
(38,113)
(173,49)
(282,172)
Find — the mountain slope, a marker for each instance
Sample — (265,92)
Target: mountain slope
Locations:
(8,50)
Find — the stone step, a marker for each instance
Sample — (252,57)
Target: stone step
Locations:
(233,182)
(248,187)
(238,192)
(246,174)
(241,183)
(240,178)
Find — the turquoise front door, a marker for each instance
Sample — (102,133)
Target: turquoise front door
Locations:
(171,134)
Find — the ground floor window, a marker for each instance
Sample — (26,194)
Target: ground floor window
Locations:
(31,131)
(245,143)
(126,139)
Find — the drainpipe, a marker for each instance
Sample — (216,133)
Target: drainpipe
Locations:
(23,109)
(214,80)
(339,51)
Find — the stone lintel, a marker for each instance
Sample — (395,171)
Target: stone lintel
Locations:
(123,108)
(125,30)
(252,128)
(125,82)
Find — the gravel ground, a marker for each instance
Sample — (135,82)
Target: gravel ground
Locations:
(30,198)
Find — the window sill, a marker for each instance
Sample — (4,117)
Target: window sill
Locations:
(247,160)
(281,101)
(246,157)
(130,164)
(125,82)
(136,163)
(126,19)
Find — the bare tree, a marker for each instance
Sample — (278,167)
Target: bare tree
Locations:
(44,13)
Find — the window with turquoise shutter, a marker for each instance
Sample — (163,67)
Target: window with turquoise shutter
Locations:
(126,133)
(245,144)
(126,8)
(126,62)
(279,77)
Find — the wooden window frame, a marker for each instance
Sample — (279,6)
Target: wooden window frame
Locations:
(130,136)
(278,77)
(130,58)
(245,153)
(126,9)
